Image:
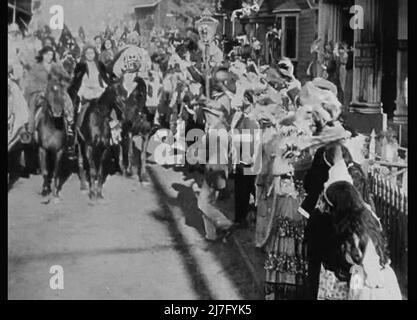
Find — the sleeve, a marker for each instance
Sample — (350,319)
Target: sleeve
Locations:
(338,172)
(372,267)
(76,80)
(103,72)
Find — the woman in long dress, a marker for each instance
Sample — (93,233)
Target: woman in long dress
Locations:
(280,195)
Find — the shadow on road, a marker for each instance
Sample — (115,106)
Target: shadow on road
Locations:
(226,253)
(200,286)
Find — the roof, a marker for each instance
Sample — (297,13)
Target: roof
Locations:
(288,6)
(274,6)
(146,3)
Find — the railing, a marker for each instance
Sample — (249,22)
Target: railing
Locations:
(391,204)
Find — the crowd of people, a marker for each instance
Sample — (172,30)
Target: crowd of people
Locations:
(315,220)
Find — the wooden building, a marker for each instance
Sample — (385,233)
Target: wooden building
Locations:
(297,22)
(150,13)
(377,31)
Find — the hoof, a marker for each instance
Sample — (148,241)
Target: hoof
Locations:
(128,174)
(56,200)
(45,192)
(92,195)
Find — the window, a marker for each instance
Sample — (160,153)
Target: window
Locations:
(289,39)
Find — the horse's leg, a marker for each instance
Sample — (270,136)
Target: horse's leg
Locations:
(81,169)
(121,157)
(129,155)
(46,189)
(93,171)
(57,171)
(102,173)
(142,158)
(124,153)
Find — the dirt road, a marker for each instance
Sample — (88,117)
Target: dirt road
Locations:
(141,242)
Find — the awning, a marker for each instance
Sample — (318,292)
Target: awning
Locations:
(288,6)
(146,4)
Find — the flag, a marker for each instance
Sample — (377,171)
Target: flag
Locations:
(137,27)
(124,34)
(65,35)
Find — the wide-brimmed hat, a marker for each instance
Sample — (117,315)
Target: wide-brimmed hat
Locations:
(272,76)
(324,101)
(221,74)
(325,84)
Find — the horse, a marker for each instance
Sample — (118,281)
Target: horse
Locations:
(94,141)
(51,134)
(136,121)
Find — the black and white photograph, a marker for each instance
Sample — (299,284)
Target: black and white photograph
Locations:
(207,150)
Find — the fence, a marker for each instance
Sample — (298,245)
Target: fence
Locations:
(392,207)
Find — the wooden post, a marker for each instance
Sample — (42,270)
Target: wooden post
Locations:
(14,12)
(401,112)
(367,71)
(207,67)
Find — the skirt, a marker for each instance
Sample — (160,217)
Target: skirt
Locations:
(286,265)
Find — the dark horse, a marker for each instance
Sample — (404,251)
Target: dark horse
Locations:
(93,139)
(136,122)
(51,132)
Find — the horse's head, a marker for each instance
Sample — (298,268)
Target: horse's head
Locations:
(69,63)
(138,95)
(55,92)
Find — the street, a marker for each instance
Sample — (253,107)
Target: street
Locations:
(140,242)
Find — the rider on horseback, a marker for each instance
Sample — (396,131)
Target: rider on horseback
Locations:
(37,83)
(89,82)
